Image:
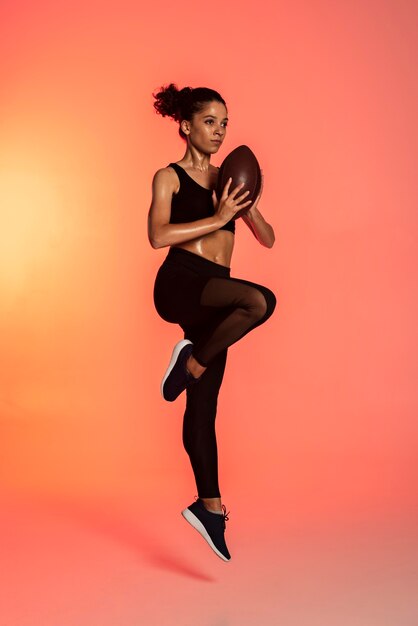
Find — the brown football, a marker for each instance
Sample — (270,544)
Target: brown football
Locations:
(242,166)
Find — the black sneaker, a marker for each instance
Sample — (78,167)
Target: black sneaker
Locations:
(210,525)
(177,377)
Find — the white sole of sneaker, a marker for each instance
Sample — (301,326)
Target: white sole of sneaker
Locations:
(177,349)
(197,524)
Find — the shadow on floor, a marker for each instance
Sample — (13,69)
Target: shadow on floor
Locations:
(98,517)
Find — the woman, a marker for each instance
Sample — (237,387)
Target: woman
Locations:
(194,289)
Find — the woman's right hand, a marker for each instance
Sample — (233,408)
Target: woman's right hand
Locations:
(230,204)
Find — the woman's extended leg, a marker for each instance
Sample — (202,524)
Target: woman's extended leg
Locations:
(199,436)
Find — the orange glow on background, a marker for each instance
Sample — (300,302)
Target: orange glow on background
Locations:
(317,418)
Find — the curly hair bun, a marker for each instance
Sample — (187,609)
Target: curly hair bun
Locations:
(169,100)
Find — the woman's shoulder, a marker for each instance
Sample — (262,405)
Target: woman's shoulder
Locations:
(166,172)
(166,177)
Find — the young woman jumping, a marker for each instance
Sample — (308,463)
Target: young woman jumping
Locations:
(194,289)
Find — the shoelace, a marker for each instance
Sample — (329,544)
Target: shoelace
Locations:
(225,514)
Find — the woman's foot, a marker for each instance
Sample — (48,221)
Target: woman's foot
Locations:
(177,377)
(210,525)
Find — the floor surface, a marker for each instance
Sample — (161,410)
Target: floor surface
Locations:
(71,563)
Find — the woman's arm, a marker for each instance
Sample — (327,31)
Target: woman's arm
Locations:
(259,227)
(161,233)
(257,224)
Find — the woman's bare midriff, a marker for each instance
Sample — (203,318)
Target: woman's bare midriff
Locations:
(216,247)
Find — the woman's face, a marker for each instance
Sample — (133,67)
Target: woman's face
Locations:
(207,129)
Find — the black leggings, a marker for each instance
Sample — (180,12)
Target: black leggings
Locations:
(214,311)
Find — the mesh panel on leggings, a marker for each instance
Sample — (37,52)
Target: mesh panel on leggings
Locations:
(248,306)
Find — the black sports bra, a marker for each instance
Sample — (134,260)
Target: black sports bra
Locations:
(193,201)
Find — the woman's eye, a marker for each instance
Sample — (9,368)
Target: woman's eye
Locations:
(224,124)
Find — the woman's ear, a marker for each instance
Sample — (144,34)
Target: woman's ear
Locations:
(185,126)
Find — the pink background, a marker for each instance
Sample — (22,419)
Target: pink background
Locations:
(317,421)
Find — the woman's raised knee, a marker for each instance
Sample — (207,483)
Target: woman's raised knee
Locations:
(271,301)
(257,304)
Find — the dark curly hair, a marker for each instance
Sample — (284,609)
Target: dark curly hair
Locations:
(184,103)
